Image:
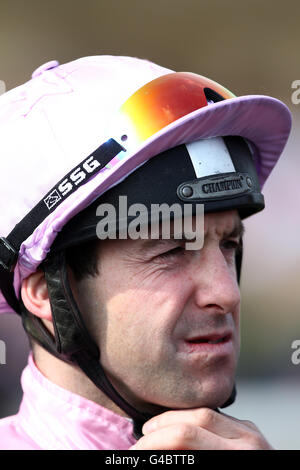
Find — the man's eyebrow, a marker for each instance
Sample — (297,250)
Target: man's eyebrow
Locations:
(152,243)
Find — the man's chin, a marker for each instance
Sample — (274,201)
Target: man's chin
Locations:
(211,400)
(218,393)
(214,394)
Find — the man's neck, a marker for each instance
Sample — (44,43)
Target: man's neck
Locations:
(71,378)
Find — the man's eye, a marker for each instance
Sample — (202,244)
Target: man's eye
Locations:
(179,250)
(232,245)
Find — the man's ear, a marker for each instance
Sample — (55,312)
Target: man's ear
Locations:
(35,295)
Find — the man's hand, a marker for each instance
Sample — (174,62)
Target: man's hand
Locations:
(200,429)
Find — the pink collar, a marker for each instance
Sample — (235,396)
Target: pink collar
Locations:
(55,418)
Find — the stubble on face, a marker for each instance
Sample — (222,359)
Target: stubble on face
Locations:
(145,304)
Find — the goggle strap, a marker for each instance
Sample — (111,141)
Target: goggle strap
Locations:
(10,246)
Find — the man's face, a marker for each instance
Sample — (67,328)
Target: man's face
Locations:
(167,319)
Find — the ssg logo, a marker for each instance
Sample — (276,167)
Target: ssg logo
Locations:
(79,175)
(74,179)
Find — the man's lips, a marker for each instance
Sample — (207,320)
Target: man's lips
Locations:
(212,338)
(213,343)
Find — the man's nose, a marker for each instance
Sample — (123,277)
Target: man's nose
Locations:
(216,285)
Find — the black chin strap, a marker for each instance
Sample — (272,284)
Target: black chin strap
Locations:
(72,342)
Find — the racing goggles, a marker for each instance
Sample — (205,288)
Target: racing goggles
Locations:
(163,101)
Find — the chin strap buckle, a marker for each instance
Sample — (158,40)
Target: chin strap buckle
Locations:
(8,255)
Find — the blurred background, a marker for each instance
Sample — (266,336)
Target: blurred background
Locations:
(251,47)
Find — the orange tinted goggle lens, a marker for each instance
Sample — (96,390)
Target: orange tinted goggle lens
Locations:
(166,99)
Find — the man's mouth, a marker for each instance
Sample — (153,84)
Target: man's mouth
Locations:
(215,343)
(211,339)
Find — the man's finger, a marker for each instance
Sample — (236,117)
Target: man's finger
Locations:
(182,436)
(205,418)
